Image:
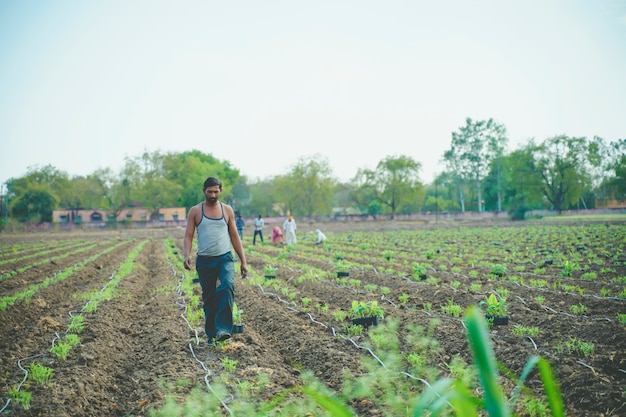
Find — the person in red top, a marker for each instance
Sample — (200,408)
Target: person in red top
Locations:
(277,235)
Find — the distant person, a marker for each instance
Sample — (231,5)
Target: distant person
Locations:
(277,235)
(258,229)
(321,237)
(240,224)
(214,222)
(290,227)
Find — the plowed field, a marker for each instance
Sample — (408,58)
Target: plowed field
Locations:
(138,347)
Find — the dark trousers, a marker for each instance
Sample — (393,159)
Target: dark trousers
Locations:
(257,232)
(218,300)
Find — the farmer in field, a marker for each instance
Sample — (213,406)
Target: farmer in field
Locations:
(258,229)
(277,235)
(240,224)
(290,227)
(216,230)
(321,237)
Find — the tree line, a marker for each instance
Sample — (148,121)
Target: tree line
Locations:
(559,173)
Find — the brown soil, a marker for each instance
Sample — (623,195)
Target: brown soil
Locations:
(138,342)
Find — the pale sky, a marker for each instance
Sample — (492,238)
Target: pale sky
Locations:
(83,84)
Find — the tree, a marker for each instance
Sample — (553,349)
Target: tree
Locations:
(394,182)
(190,170)
(473,148)
(523,188)
(439,196)
(114,189)
(262,199)
(607,167)
(560,162)
(307,188)
(56,182)
(36,204)
(453,162)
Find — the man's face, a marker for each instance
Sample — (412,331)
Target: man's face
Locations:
(212,193)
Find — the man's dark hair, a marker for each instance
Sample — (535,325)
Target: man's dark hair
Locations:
(212,181)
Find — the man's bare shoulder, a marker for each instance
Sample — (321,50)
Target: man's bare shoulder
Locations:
(195,211)
(229,211)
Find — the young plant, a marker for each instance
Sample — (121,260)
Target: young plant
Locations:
(237,315)
(270,270)
(494,306)
(402,300)
(498,270)
(452,309)
(62,349)
(354,330)
(520,330)
(40,374)
(20,397)
(418,271)
(578,308)
(77,324)
(229,364)
(361,309)
(321,308)
(306,301)
(568,268)
(339,315)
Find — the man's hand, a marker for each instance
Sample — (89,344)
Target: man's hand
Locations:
(187,263)
(244,271)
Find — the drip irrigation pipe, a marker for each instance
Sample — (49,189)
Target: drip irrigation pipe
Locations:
(207,371)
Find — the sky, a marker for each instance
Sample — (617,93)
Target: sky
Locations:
(263,84)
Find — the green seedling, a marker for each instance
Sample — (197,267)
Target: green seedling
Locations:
(229,364)
(494,306)
(40,374)
(20,397)
(520,330)
(578,309)
(77,324)
(452,309)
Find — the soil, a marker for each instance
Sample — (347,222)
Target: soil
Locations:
(139,342)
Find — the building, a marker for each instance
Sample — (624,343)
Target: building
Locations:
(135,214)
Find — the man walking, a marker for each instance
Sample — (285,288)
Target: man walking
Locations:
(216,230)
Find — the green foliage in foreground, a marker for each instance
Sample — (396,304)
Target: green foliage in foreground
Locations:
(388,387)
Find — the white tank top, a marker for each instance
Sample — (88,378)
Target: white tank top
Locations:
(213,237)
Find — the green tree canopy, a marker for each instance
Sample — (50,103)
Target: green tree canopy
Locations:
(34,205)
(307,188)
(473,149)
(560,162)
(394,182)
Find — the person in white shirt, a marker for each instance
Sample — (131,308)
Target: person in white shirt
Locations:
(258,229)
(290,228)
(321,237)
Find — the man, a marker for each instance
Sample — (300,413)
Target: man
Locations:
(321,237)
(216,230)
(290,227)
(240,224)
(258,229)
